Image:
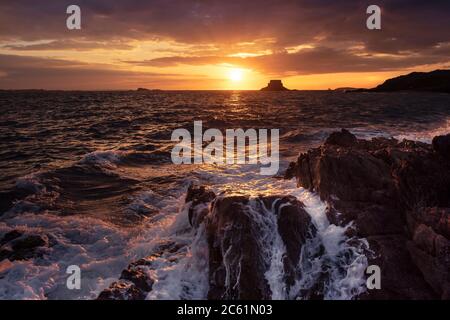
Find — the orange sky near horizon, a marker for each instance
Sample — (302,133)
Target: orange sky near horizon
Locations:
(191,45)
(219,76)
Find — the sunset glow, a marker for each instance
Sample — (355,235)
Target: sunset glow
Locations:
(165,45)
(235,75)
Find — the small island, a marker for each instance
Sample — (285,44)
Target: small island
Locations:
(147,90)
(275,85)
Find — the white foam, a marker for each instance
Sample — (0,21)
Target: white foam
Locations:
(103,250)
(107,159)
(346,264)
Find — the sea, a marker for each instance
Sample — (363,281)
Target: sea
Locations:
(92,171)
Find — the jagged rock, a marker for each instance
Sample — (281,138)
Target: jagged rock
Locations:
(137,276)
(199,198)
(237,256)
(122,290)
(343,138)
(15,245)
(436,218)
(388,188)
(430,246)
(400,278)
(134,282)
(13,234)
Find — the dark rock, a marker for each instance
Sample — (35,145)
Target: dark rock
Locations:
(397,194)
(28,243)
(294,226)
(400,278)
(138,276)
(436,218)
(14,234)
(237,251)
(17,246)
(343,138)
(430,246)
(199,198)
(435,272)
(230,227)
(134,283)
(441,144)
(275,85)
(122,290)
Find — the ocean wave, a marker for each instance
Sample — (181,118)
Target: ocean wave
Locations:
(426,136)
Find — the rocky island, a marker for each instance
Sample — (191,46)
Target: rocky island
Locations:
(275,85)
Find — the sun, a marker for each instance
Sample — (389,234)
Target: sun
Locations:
(235,75)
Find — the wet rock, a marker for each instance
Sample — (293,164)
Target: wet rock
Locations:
(199,197)
(14,234)
(343,138)
(441,144)
(15,245)
(135,282)
(430,246)
(236,269)
(435,217)
(294,227)
(397,194)
(400,277)
(138,276)
(122,290)
(239,231)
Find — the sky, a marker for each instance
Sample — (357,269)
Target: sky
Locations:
(210,44)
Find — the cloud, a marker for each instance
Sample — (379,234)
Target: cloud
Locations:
(331,35)
(79,45)
(406,25)
(310,61)
(24,72)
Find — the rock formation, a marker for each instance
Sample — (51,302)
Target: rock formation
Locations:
(231,228)
(18,245)
(395,193)
(398,195)
(235,226)
(275,85)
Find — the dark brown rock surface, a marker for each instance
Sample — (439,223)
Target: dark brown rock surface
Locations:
(398,194)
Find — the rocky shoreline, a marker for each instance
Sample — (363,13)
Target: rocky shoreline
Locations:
(398,195)
(395,194)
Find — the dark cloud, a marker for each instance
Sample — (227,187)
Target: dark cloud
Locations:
(191,60)
(413,33)
(407,25)
(78,45)
(23,72)
(310,61)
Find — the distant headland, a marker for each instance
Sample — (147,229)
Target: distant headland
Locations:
(434,81)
